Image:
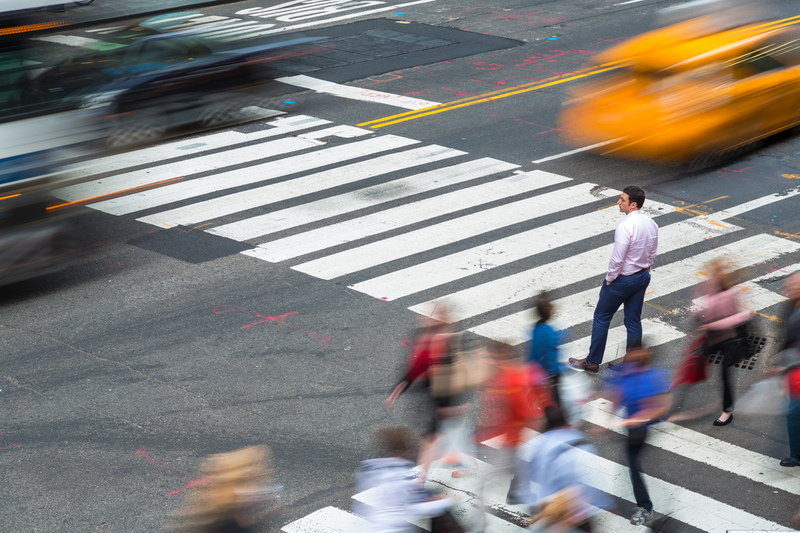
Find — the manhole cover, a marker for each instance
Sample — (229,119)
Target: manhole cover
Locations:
(756,343)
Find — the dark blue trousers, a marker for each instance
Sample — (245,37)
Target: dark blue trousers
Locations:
(625,290)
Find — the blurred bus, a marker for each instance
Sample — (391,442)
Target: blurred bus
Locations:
(36,138)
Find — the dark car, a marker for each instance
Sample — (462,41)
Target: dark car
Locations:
(155,82)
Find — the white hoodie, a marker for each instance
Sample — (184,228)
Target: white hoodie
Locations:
(396,497)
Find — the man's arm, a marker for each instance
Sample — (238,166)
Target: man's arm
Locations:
(654,251)
(655,408)
(622,241)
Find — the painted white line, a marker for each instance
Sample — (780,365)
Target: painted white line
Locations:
(490,255)
(277,221)
(655,332)
(679,503)
(336,19)
(328,520)
(183,148)
(778,274)
(628,2)
(666,279)
(356,93)
(204,163)
(77,41)
(518,287)
(398,217)
(250,175)
(454,230)
(704,449)
(523,285)
(576,151)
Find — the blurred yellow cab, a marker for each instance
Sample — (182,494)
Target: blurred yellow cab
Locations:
(690,93)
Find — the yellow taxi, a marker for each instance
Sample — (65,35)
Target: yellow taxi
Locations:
(689,93)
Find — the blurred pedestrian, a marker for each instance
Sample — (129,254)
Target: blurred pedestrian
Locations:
(643,390)
(790,365)
(398,497)
(720,317)
(512,400)
(635,247)
(552,476)
(544,343)
(429,350)
(238,496)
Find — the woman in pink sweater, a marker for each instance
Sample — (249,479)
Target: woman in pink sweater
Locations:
(720,316)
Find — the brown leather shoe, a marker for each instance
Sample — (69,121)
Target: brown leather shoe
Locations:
(583,364)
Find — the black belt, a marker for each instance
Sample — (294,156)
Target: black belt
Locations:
(638,272)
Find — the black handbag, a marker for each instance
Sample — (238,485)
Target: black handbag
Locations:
(739,348)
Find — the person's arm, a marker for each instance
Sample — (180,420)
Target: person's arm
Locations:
(622,240)
(398,390)
(729,322)
(655,408)
(654,250)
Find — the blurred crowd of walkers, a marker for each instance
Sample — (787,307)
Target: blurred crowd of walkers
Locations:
(512,424)
(524,410)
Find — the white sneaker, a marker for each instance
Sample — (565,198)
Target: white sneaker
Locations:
(641,516)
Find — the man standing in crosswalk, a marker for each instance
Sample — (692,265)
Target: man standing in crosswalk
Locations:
(635,247)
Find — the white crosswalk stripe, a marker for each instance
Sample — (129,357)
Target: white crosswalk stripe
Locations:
(251,198)
(361,201)
(408,214)
(449,232)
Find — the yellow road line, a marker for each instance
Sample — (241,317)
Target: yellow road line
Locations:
(520,89)
(488,97)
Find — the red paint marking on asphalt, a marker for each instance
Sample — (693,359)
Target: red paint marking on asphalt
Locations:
(538,125)
(81,251)
(512,17)
(169,470)
(280,319)
(546,20)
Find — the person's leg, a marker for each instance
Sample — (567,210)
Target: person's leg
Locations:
(636,438)
(611,298)
(633,308)
(727,389)
(793,425)
(554,389)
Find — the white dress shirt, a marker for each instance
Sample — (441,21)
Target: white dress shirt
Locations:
(635,246)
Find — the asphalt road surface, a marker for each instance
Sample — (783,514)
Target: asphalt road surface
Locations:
(268,295)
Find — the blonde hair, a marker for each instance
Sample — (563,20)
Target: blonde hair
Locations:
(229,476)
(561,508)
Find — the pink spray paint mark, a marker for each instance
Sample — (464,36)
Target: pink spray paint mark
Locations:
(172,471)
(280,319)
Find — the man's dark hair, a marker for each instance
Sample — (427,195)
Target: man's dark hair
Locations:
(635,195)
(543,305)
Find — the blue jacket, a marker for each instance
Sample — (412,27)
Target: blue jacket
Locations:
(544,348)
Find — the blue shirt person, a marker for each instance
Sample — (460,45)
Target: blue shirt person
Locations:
(643,390)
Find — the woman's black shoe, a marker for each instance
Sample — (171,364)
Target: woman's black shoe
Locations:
(719,422)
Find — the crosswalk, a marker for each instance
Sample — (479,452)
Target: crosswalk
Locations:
(420,223)
(400,220)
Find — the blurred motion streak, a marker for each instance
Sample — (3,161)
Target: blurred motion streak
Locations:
(697,92)
(59,107)
(113,194)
